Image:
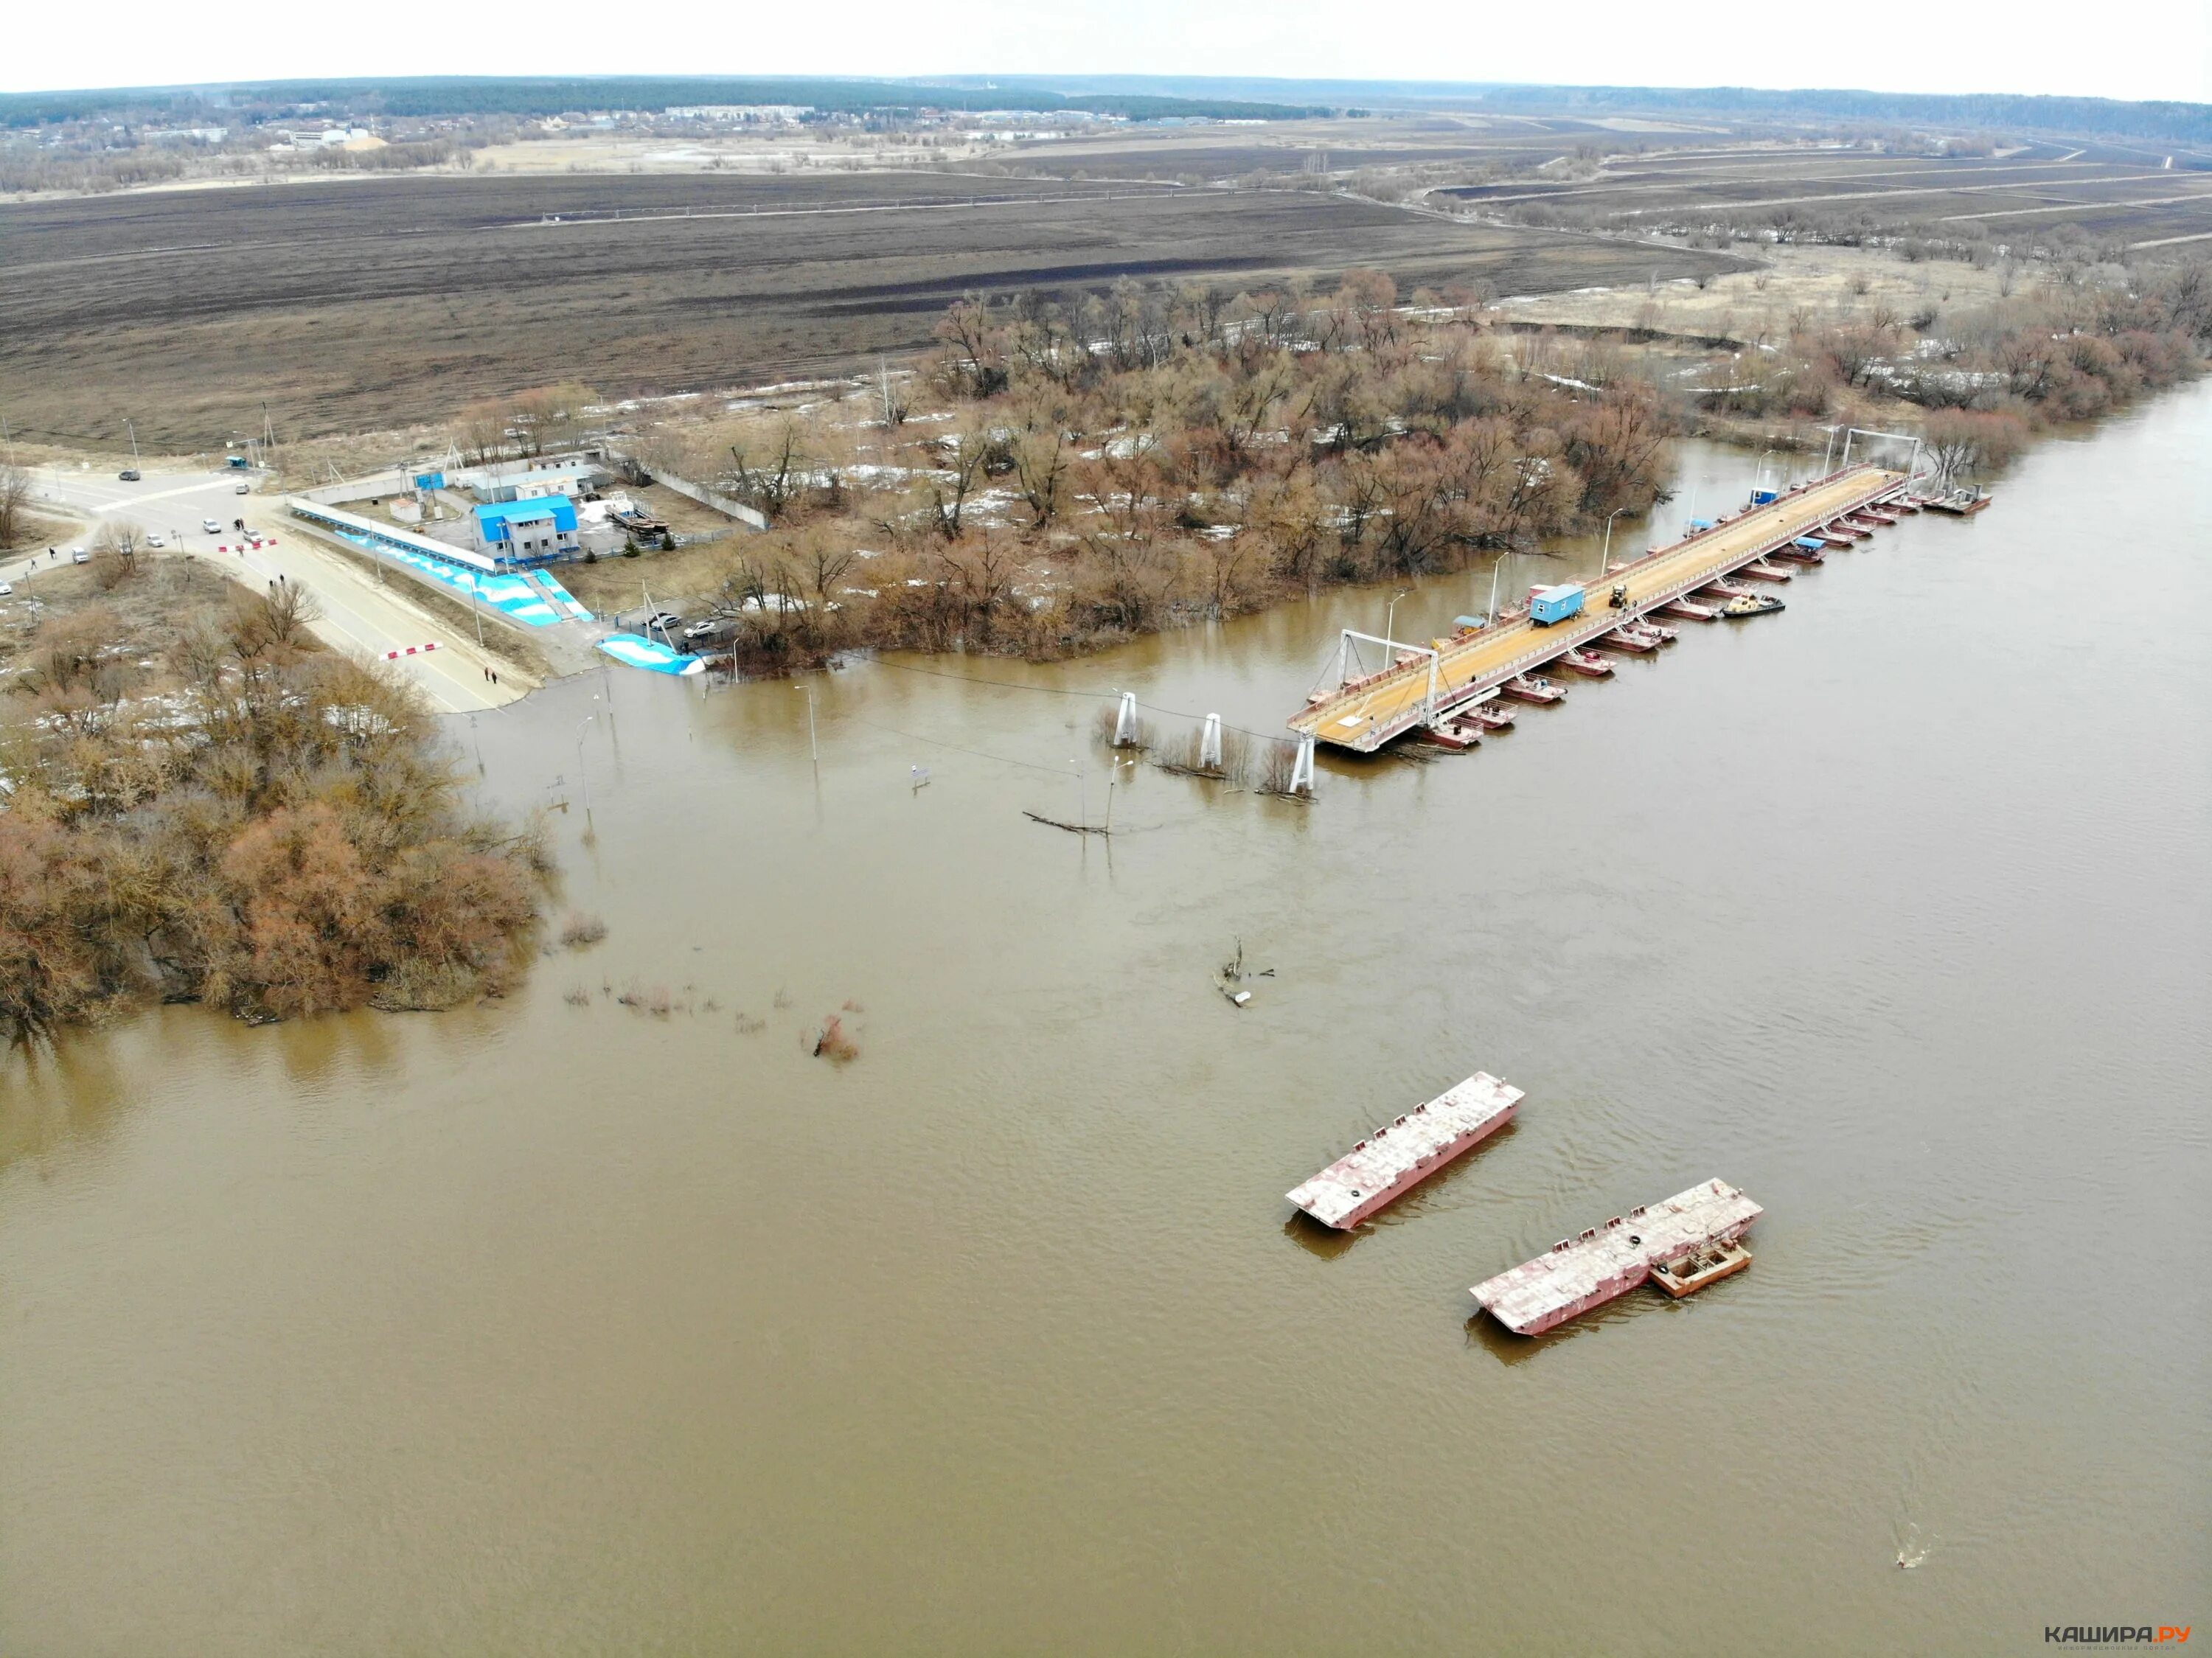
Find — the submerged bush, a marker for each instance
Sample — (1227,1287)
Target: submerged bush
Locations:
(277,830)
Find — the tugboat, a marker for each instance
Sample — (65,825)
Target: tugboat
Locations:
(1533,688)
(1750,605)
(1589,664)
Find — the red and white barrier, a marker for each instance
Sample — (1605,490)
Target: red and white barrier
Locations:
(412,650)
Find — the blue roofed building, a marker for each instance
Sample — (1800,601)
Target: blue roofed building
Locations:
(528,531)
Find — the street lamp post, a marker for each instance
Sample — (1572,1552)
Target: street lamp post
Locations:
(582,770)
(476,615)
(813,749)
(1605,553)
(1390,615)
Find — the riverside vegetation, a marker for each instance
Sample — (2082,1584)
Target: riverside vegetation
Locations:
(198,803)
(1113,465)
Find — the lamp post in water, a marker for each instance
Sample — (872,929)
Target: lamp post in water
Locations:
(813,749)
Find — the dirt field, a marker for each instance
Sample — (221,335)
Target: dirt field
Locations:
(1822,283)
(2108,193)
(352,306)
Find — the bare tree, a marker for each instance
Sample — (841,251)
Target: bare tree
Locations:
(15,503)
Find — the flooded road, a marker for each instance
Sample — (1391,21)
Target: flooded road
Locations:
(558,1326)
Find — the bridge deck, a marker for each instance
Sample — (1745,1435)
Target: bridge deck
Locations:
(1389,706)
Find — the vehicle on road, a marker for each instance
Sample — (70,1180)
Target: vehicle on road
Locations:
(129,475)
(78,555)
(154,539)
(243,489)
(6,588)
(212,526)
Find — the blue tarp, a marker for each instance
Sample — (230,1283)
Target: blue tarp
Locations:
(1812,544)
(510,595)
(649,655)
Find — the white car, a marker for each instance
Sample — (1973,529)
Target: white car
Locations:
(6,588)
(154,539)
(78,555)
(212,526)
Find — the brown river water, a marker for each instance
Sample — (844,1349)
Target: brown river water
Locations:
(556,1329)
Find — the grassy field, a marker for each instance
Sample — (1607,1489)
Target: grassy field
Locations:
(349,306)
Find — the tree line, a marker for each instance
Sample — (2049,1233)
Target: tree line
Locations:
(1108,464)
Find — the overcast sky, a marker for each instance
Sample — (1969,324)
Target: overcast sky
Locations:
(2147,49)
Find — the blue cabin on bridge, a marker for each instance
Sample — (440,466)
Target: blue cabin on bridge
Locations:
(528,531)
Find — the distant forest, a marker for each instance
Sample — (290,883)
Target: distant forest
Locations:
(2185,123)
(458,95)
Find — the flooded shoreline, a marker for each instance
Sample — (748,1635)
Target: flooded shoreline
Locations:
(556,1326)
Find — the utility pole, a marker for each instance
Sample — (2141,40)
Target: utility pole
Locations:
(475,613)
(133,430)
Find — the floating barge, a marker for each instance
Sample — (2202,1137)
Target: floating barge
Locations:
(1401,1154)
(1683,1244)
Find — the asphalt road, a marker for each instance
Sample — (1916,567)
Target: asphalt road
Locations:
(359,614)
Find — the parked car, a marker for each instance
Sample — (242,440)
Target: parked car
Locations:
(6,588)
(663,622)
(212,526)
(702,631)
(129,475)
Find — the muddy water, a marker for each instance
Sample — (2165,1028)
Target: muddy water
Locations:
(552,1328)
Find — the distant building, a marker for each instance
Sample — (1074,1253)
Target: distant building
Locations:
(528,531)
(527,480)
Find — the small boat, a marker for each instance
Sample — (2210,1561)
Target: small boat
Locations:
(1533,688)
(1453,733)
(1750,605)
(1868,524)
(1797,552)
(1490,717)
(1902,504)
(1686,610)
(1844,531)
(1589,664)
(1651,630)
(1721,587)
(1879,514)
(1760,570)
(1621,639)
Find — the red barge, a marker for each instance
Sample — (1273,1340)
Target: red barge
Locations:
(1401,1154)
(1682,1245)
